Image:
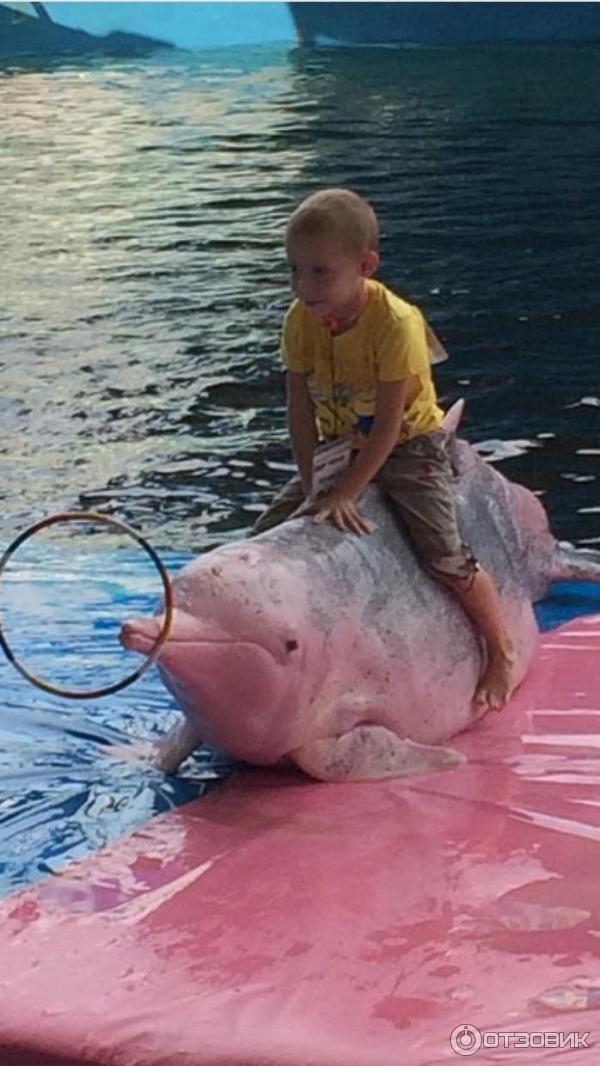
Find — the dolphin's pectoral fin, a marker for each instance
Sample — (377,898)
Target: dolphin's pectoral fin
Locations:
(167,754)
(369,752)
(172,749)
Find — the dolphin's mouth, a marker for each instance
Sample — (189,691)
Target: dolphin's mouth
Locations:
(232,687)
(222,642)
(140,635)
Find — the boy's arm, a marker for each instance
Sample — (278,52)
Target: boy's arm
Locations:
(302,426)
(340,503)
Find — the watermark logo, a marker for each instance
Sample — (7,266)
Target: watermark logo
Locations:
(468,1039)
(465,1040)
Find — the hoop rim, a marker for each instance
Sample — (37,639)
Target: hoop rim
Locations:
(122,527)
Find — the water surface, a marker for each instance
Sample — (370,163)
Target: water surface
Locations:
(143,284)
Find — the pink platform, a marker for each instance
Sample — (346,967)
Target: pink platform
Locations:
(281,922)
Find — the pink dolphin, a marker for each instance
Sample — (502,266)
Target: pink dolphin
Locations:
(338,652)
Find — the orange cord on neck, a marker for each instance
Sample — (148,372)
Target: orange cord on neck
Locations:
(333,324)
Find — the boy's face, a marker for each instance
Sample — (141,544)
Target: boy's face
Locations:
(328,278)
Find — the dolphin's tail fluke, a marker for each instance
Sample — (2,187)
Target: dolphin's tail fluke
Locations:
(575,564)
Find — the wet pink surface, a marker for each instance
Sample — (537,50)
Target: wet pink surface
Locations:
(282,922)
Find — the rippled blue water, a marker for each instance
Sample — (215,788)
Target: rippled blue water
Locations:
(143,284)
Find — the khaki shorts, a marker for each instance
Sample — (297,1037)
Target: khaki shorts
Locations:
(418,480)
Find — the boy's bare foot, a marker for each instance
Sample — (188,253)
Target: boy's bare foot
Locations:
(498,682)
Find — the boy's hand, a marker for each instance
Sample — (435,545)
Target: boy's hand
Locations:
(342,511)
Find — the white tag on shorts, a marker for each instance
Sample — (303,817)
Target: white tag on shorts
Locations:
(329,461)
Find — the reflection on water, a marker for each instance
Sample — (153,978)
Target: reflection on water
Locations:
(142,292)
(145,203)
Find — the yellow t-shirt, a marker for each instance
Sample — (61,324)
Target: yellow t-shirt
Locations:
(388,342)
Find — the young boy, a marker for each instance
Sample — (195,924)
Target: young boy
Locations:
(358,366)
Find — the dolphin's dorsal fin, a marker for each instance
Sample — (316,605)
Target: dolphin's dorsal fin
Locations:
(453,416)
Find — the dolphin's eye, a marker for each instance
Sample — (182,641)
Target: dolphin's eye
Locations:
(291,645)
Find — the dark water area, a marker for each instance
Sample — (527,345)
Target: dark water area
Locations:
(144,280)
(142,286)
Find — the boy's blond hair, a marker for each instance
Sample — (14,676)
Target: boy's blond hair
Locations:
(338,213)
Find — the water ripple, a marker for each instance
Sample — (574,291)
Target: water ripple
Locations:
(146,202)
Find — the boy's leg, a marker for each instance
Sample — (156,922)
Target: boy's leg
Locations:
(418,480)
(482,603)
(281,507)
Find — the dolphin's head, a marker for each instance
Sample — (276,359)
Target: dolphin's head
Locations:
(237,655)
